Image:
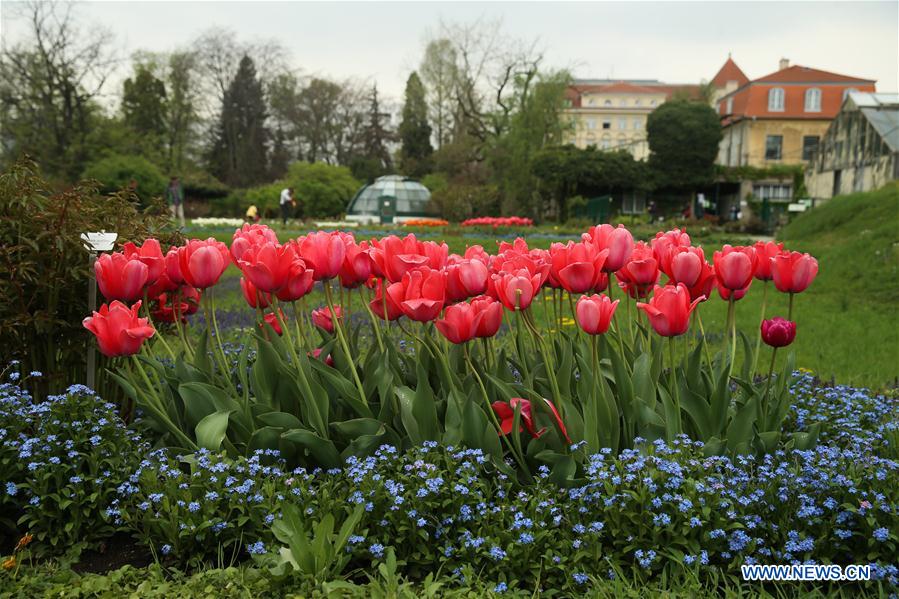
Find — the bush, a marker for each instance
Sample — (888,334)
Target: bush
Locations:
(460,202)
(44,296)
(322,190)
(61,461)
(117,171)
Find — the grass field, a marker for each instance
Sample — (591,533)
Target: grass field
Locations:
(848,323)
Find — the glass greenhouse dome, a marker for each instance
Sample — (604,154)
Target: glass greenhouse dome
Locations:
(389,199)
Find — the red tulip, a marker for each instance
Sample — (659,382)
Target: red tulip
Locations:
(488,316)
(317,354)
(120,278)
(477,252)
(272,321)
(516,290)
(323,252)
(669,309)
(704,284)
(173,266)
(577,266)
(778,332)
(393,257)
(254,297)
(734,269)
(150,253)
(377,305)
(421,293)
(167,310)
(602,283)
(203,262)
(764,251)
(793,272)
(299,282)
(685,264)
(322,318)
(248,236)
(465,279)
(662,244)
(618,240)
(640,273)
(506,413)
(458,323)
(118,330)
(190,299)
(594,313)
(356,267)
(267,265)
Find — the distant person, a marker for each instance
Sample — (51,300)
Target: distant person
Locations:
(287,203)
(252,214)
(652,209)
(174,195)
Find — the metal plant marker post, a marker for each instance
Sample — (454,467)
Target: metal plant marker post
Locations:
(94,243)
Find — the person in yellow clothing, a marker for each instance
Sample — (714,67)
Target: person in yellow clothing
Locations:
(252,215)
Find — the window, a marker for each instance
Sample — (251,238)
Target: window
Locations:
(622,124)
(591,124)
(623,101)
(637,102)
(591,102)
(809,146)
(607,103)
(652,102)
(730,106)
(632,203)
(606,124)
(781,193)
(773,147)
(776,99)
(638,124)
(813,100)
(606,142)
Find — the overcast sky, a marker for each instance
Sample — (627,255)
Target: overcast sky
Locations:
(678,42)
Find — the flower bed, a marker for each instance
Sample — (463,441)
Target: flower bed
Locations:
(498,221)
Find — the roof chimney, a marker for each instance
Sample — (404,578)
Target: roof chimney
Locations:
(784,63)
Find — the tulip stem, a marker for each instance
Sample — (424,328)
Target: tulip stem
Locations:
(765,394)
(675,392)
(159,410)
(732,329)
(486,347)
(705,344)
(374,322)
(160,336)
(210,318)
(182,334)
(301,331)
(548,361)
(790,312)
(758,340)
(341,338)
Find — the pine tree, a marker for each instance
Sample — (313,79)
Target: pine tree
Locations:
(144,103)
(375,160)
(239,152)
(415,132)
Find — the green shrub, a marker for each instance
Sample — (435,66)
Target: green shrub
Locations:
(322,190)
(43,298)
(459,202)
(435,182)
(116,172)
(62,459)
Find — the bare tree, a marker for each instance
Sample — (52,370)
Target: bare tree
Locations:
(49,85)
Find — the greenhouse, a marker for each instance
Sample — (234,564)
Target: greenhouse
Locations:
(392,198)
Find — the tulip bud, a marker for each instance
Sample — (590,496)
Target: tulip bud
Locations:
(778,332)
(594,313)
(322,318)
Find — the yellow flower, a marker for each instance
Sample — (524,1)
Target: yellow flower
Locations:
(9,563)
(567,322)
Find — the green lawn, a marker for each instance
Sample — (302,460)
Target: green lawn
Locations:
(848,324)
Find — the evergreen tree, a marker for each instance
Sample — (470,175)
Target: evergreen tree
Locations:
(415,132)
(239,152)
(144,103)
(375,160)
(280,156)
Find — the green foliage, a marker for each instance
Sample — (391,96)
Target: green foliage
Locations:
(435,182)
(144,104)
(536,122)
(66,456)
(457,202)
(566,171)
(44,297)
(322,190)
(683,143)
(116,172)
(415,132)
(238,155)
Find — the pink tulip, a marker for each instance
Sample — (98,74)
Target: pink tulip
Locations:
(254,297)
(488,316)
(577,266)
(669,309)
(793,272)
(268,265)
(764,251)
(421,294)
(734,269)
(640,273)
(150,253)
(323,252)
(516,290)
(299,282)
(381,300)
(618,240)
(120,278)
(118,330)
(203,262)
(685,264)
(322,318)
(778,332)
(458,323)
(465,279)
(594,313)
